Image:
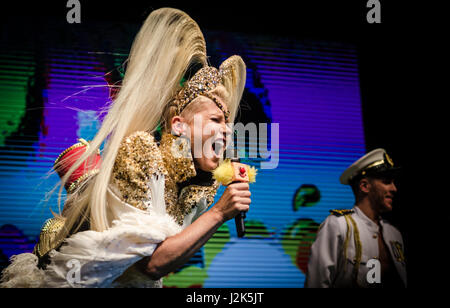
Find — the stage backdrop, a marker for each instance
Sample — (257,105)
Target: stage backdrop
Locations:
(53,90)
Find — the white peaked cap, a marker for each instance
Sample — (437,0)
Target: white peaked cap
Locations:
(376,159)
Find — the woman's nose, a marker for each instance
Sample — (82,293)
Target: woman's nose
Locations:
(228,130)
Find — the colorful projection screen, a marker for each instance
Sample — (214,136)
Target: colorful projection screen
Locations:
(307,91)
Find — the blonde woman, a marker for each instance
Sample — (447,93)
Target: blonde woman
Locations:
(138,211)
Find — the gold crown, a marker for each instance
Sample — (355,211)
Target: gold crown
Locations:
(204,81)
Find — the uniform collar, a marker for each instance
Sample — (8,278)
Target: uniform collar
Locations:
(369,222)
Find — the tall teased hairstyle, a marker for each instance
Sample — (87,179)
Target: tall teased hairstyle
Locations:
(167,44)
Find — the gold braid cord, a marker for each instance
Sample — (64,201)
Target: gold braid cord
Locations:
(358,248)
(347,238)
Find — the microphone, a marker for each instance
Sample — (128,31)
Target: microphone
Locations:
(232,171)
(242,176)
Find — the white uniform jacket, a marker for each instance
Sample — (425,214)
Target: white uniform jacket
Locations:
(343,247)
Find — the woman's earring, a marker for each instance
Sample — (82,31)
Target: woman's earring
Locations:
(179,130)
(175,132)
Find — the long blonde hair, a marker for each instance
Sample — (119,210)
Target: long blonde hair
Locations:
(168,42)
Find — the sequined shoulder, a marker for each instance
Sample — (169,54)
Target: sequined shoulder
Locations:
(47,237)
(138,159)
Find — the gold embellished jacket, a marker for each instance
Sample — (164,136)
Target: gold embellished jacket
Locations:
(187,192)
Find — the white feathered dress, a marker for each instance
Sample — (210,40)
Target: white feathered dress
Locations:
(146,205)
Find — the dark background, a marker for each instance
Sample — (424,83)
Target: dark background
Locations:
(390,61)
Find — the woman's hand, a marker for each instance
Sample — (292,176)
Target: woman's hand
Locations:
(235,199)
(178,249)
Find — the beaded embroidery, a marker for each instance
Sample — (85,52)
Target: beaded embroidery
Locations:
(140,157)
(205,80)
(190,196)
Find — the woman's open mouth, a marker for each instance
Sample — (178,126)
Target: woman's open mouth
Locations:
(218,147)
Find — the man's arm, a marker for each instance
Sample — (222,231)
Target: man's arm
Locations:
(323,260)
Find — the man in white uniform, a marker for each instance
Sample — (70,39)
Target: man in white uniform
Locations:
(357,247)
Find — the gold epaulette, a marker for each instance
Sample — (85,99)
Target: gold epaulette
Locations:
(341,212)
(48,234)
